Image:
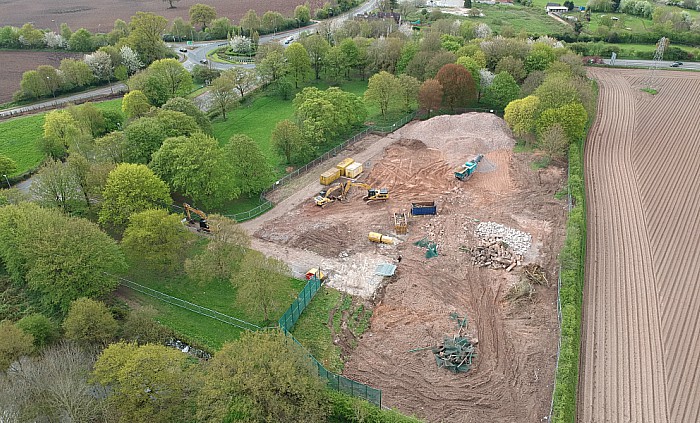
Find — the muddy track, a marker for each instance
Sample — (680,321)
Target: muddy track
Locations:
(642,299)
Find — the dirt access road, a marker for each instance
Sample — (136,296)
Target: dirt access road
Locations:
(513,374)
(640,352)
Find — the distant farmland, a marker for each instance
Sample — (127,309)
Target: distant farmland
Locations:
(15,63)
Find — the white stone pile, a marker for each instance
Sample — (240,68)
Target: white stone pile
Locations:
(519,242)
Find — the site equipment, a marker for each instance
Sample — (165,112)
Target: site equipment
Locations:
(379,238)
(329,195)
(203,225)
(317,273)
(373,194)
(329,176)
(354,170)
(423,208)
(468,168)
(400,223)
(344,164)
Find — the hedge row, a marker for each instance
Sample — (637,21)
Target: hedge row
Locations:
(346,409)
(572,260)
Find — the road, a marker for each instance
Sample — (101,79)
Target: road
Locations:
(50,104)
(664,64)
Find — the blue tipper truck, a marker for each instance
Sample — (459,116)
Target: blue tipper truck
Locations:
(423,208)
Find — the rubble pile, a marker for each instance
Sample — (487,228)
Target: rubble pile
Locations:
(516,240)
(493,253)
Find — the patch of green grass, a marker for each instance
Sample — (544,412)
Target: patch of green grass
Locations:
(241,204)
(561,194)
(257,119)
(312,330)
(523,147)
(20,138)
(533,19)
(540,163)
(651,91)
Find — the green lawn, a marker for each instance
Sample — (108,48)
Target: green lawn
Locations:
(533,19)
(257,119)
(20,138)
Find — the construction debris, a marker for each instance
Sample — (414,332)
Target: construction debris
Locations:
(493,253)
(535,274)
(400,223)
(430,246)
(518,241)
(456,353)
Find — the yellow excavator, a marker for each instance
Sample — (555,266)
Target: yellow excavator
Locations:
(329,195)
(373,194)
(202,222)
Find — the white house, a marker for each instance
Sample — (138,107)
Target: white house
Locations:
(556,8)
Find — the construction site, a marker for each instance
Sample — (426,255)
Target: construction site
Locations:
(452,238)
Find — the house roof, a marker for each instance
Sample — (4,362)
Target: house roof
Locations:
(553,4)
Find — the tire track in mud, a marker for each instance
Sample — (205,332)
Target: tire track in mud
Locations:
(621,336)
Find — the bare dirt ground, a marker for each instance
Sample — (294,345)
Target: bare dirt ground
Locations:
(641,303)
(99,15)
(15,63)
(513,374)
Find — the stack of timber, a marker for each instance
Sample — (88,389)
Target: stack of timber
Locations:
(493,253)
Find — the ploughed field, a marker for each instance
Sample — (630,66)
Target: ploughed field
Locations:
(15,63)
(642,299)
(99,15)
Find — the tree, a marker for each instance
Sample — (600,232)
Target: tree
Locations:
(220,28)
(298,62)
(502,90)
(223,93)
(317,47)
(156,239)
(130,59)
(572,117)
(144,137)
(205,177)
(42,329)
(181,29)
(112,147)
(76,73)
(250,22)
(177,80)
(271,64)
(55,184)
(80,167)
(335,63)
(557,90)
(286,390)
(436,63)
(521,115)
(131,188)
(52,387)
(554,142)
(90,322)
(58,258)
(170,2)
(141,327)
(409,91)
(14,343)
(202,14)
(33,86)
(135,104)
(430,95)
(60,132)
(145,34)
(243,79)
(541,55)
(513,66)
(7,165)
(147,383)
(302,14)
(259,281)
(100,63)
(51,78)
(272,21)
(457,84)
(251,171)
(222,257)
(187,106)
(81,40)
(287,139)
(323,115)
(383,89)
(532,82)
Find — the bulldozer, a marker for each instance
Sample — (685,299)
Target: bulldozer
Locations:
(201,223)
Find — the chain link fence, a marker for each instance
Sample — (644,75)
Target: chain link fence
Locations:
(335,381)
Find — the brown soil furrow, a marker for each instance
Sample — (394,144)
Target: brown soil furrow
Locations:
(621,327)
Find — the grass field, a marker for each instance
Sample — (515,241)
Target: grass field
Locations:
(20,138)
(534,20)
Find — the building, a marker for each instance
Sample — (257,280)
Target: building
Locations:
(556,8)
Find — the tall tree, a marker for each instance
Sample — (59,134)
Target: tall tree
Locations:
(383,89)
(287,139)
(90,322)
(205,177)
(156,239)
(259,282)
(202,14)
(502,90)
(430,95)
(7,165)
(135,104)
(55,184)
(521,115)
(250,22)
(147,383)
(223,90)
(170,2)
(145,34)
(252,172)
(317,47)
(271,63)
(244,79)
(76,73)
(457,85)
(40,327)
(302,14)
(14,343)
(131,188)
(287,390)
(222,257)
(554,142)
(409,91)
(60,132)
(187,106)
(298,61)
(177,80)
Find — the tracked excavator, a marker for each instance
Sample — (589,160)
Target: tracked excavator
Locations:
(329,195)
(202,224)
(373,194)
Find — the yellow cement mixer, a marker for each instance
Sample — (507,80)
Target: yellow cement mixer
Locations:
(382,239)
